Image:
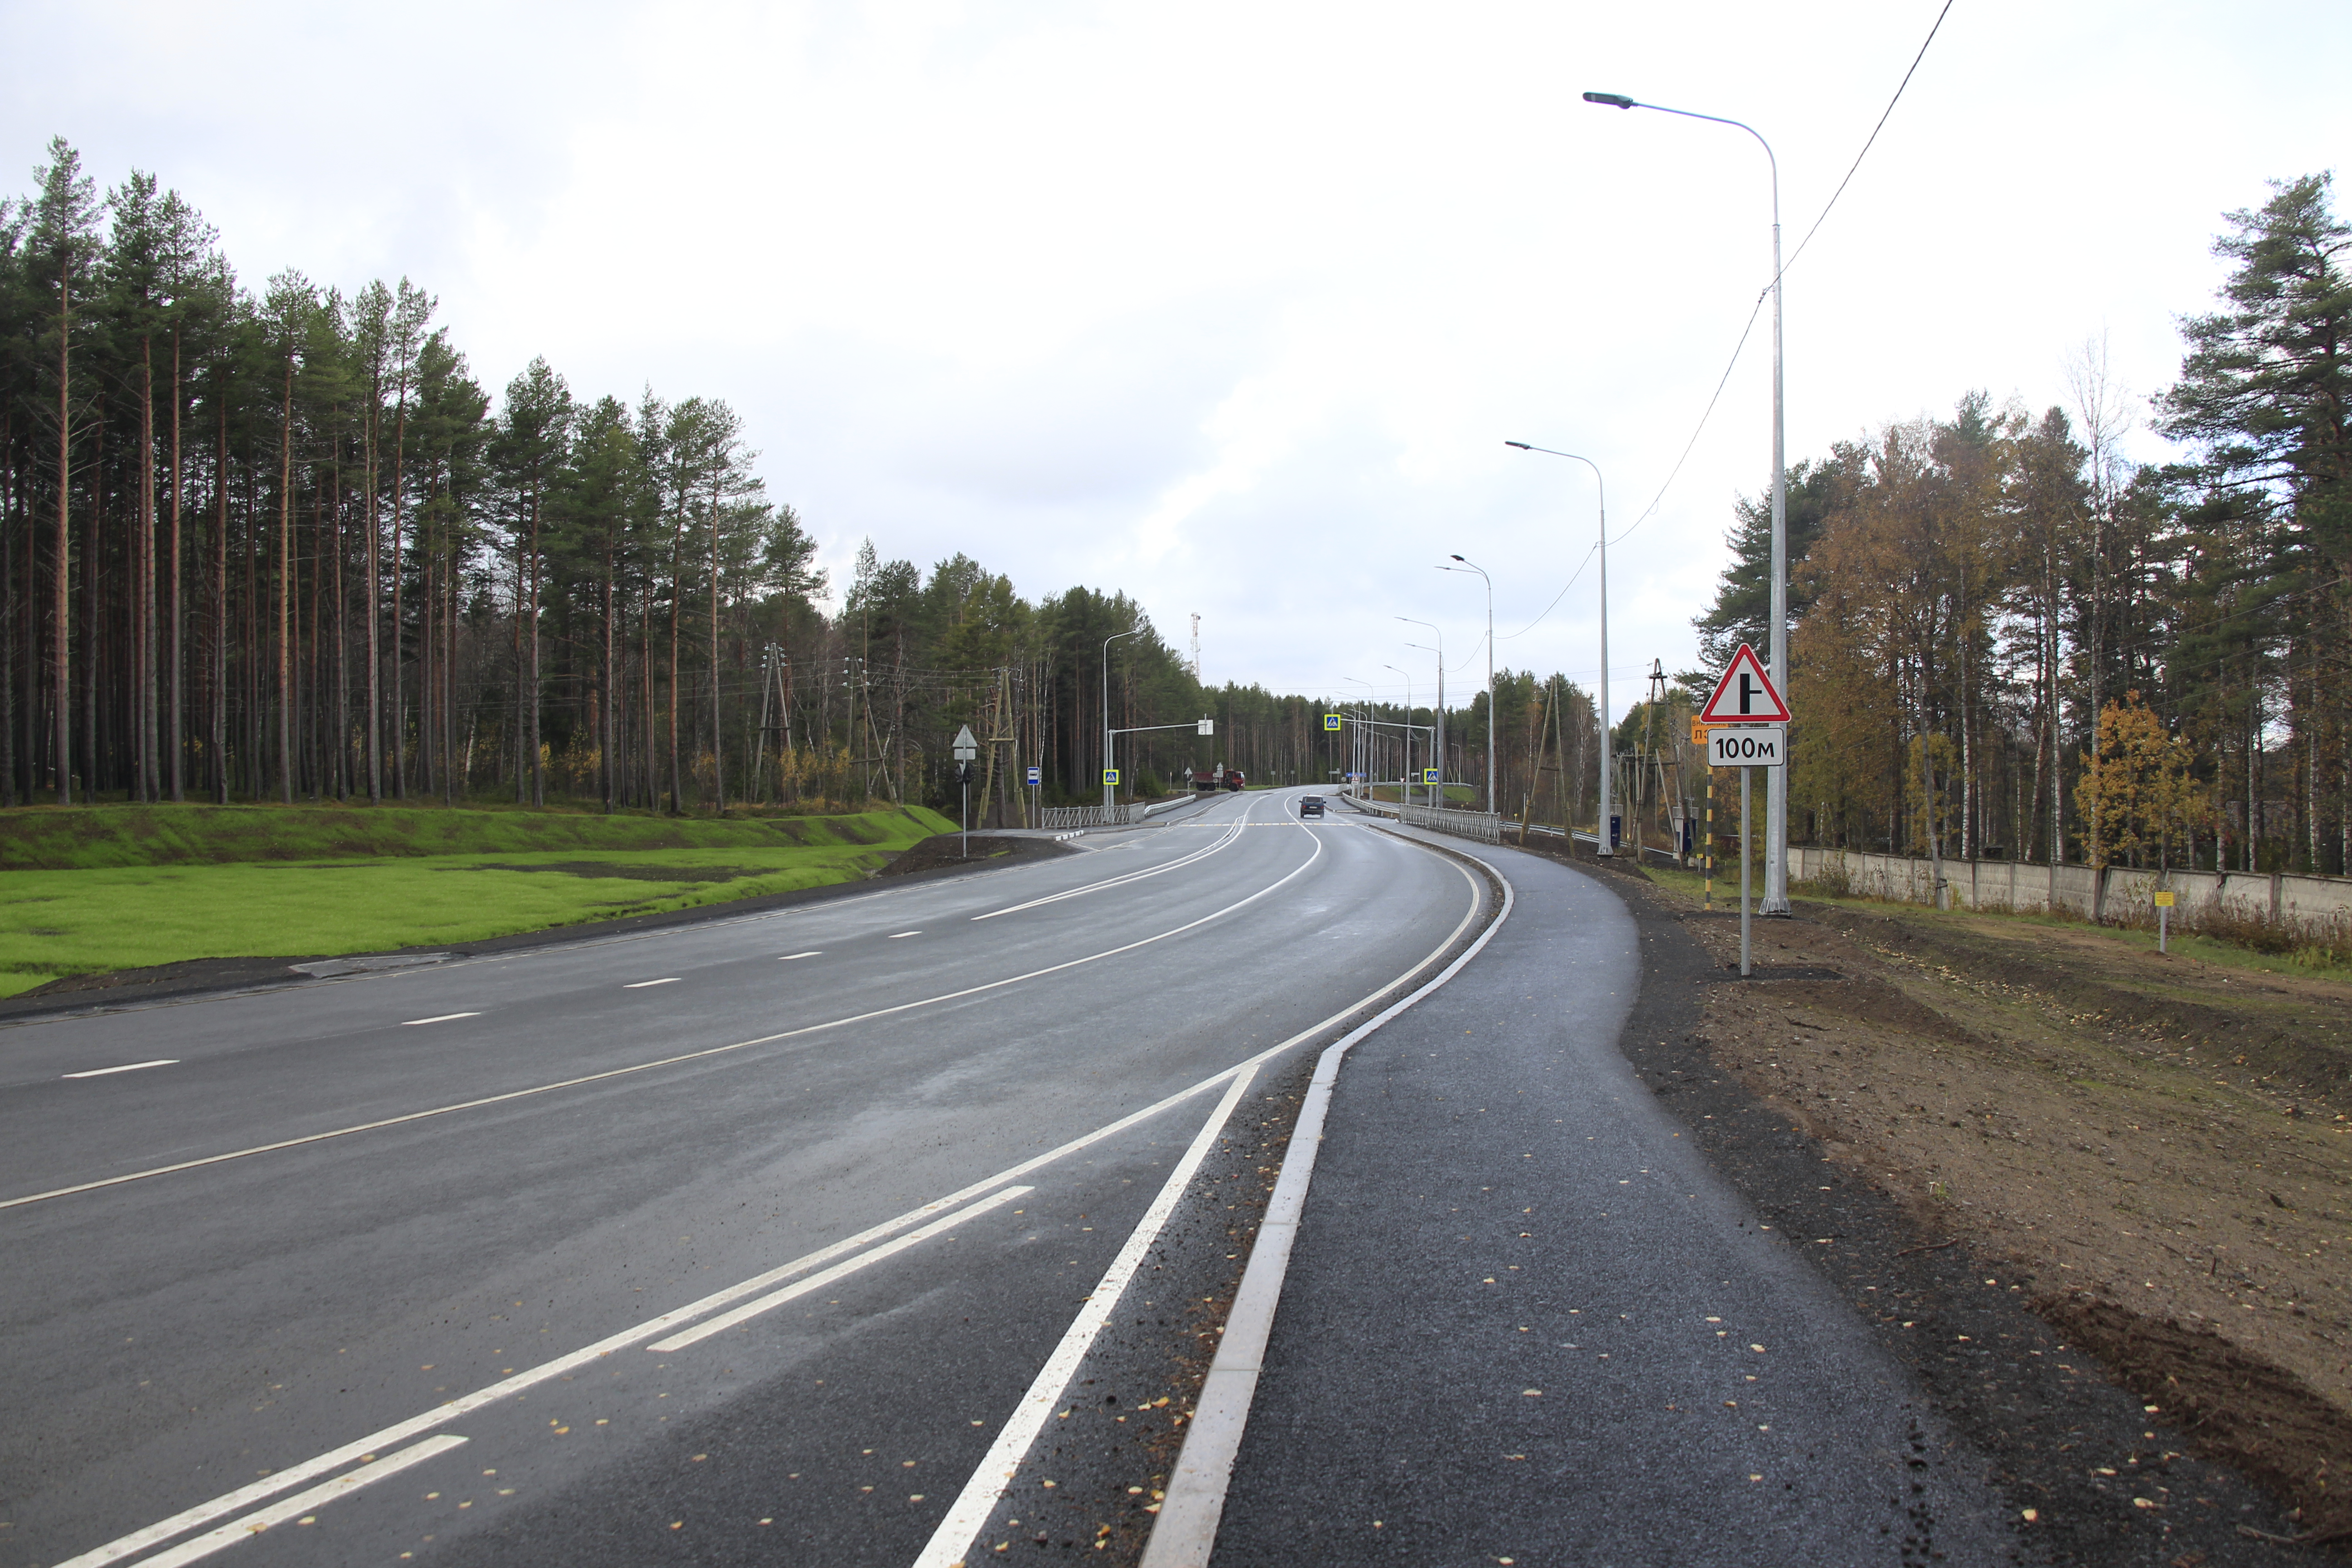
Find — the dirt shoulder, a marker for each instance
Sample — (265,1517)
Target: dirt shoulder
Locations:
(2006,1144)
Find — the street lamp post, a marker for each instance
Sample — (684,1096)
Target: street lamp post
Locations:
(1437,733)
(1470,566)
(1775,780)
(1105,714)
(1404,773)
(1437,745)
(1361,749)
(1602,828)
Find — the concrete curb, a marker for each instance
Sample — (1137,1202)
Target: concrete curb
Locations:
(1186,1531)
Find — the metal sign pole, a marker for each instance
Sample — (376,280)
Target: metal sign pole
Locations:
(966,749)
(1743,871)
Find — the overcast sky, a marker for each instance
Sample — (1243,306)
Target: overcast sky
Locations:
(1233,306)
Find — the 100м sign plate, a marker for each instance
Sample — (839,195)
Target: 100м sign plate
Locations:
(1748,746)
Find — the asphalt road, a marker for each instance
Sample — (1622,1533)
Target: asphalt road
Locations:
(762,1239)
(1524,1322)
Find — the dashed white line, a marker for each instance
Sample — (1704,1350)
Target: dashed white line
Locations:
(787,958)
(437,1019)
(127,1067)
(508,1387)
(897,935)
(641,985)
(981,989)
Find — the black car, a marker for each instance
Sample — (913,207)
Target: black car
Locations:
(1310,806)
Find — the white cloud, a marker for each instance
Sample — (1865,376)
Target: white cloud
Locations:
(1233,306)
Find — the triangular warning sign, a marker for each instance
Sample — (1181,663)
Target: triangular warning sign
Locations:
(1745,695)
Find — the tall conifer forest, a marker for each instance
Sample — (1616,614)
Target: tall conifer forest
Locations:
(279,543)
(1970,594)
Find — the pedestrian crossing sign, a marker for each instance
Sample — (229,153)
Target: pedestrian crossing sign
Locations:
(1428,775)
(1110,775)
(1330,720)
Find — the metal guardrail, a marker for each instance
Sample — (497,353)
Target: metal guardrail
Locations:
(1057,817)
(1483,825)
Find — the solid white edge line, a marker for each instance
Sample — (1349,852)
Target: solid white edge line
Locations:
(841,1271)
(277,1513)
(436,1018)
(294,1475)
(127,1067)
(987,1486)
(1186,1530)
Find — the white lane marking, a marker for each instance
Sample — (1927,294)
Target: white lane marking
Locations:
(1186,1530)
(986,1489)
(841,1271)
(127,1067)
(437,1019)
(641,985)
(706,1051)
(897,935)
(294,1475)
(790,956)
(343,1485)
(1231,832)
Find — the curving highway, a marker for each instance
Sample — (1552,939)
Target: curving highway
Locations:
(768,1238)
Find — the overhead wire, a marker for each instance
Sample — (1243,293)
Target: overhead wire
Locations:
(1757,310)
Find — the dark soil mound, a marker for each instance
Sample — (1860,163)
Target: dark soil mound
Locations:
(947,849)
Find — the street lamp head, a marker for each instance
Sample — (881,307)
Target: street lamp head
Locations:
(1522,446)
(1613,99)
(1457,558)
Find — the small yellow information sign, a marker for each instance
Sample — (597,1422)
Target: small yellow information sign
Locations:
(2164,901)
(1698,732)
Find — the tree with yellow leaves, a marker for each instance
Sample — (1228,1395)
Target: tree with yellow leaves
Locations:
(2137,789)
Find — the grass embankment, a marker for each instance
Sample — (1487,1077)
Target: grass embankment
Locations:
(2158,1148)
(128,887)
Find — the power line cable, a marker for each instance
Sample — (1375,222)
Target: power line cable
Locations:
(1875,130)
(1688,447)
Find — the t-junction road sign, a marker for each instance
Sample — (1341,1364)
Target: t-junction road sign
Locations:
(1745,695)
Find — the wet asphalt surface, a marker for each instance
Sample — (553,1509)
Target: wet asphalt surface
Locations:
(1526,1321)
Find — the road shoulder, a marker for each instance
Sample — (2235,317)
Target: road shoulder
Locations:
(1524,1322)
(2108,1481)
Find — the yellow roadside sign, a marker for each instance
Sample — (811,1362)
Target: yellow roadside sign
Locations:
(2164,901)
(1698,732)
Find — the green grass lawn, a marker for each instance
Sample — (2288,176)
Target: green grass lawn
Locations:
(228,889)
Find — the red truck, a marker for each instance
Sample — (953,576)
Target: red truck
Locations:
(1217,778)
